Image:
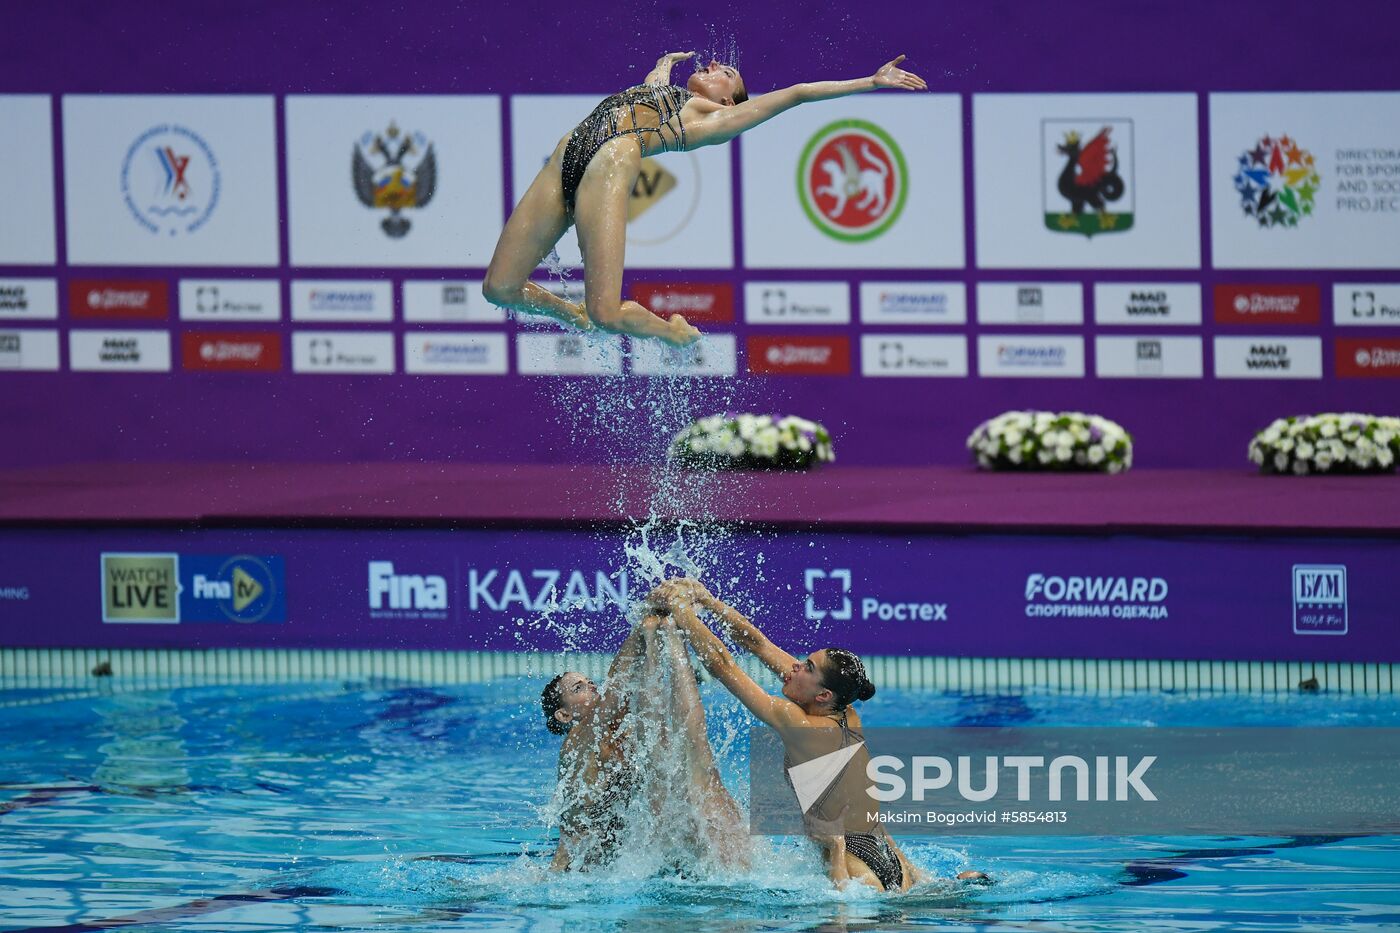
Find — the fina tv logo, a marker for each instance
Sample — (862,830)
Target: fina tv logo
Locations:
(1319,599)
(405,596)
(829,597)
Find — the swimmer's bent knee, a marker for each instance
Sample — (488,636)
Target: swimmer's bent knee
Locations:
(500,293)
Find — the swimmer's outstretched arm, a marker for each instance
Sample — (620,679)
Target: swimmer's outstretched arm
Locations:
(774,711)
(661,74)
(724,123)
(614,705)
(744,632)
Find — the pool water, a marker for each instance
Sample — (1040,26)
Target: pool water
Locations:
(388,807)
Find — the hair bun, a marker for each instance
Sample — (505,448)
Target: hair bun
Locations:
(865,690)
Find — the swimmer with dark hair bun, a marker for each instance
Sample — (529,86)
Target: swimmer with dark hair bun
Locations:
(587,183)
(813,717)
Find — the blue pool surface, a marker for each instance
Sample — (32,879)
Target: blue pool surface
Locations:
(381,807)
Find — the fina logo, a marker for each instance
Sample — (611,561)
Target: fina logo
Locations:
(829,597)
(405,593)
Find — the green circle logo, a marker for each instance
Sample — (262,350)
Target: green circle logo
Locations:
(852,180)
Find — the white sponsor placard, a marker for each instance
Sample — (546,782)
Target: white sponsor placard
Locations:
(912,355)
(680,215)
(1268,357)
(26,150)
(1032,356)
(1305,180)
(1362,304)
(568,354)
(342,300)
(457,301)
(1148,357)
(396,180)
(711,355)
(450,353)
(133,351)
(342,351)
(28,299)
(903,303)
(1030,303)
(29,349)
(170,179)
(870,182)
(797,303)
(230,300)
(1147,303)
(1086,181)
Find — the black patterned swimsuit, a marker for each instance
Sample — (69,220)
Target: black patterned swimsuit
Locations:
(606,122)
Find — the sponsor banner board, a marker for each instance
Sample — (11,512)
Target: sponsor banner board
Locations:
(133,351)
(231,351)
(797,303)
(1030,356)
(1148,357)
(1047,596)
(26,150)
(799,355)
(845,184)
(170,179)
(1305,180)
(1268,357)
(913,355)
(1075,181)
(146,299)
(1030,303)
(342,301)
(697,302)
(1373,304)
(906,303)
(711,355)
(1143,304)
(459,353)
(28,299)
(393,180)
(448,301)
(1268,304)
(680,214)
(28,349)
(568,354)
(226,300)
(1368,357)
(333,352)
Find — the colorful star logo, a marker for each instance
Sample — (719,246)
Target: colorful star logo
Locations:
(1277,181)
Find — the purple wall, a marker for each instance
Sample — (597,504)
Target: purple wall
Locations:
(426,47)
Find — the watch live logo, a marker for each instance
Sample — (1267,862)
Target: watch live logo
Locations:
(800,356)
(1368,357)
(698,303)
(1268,304)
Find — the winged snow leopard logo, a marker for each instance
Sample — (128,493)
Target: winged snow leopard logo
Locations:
(393,172)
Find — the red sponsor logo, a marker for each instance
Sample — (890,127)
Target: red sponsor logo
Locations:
(1268,304)
(231,351)
(105,298)
(800,356)
(1368,357)
(697,303)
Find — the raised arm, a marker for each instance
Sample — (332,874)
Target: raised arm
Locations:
(774,711)
(614,703)
(724,123)
(661,74)
(737,627)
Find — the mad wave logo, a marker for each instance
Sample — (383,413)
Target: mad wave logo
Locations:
(170,180)
(812,779)
(1096,597)
(1087,175)
(1277,181)
(395,595)
(1319,599)
(852,180)
(829,597)
(540,590)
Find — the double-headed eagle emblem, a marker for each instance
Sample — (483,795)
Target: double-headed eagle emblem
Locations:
(406,176)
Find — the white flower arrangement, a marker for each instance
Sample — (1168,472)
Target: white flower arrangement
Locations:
(1345,442)
(1068,441)
(752,442)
